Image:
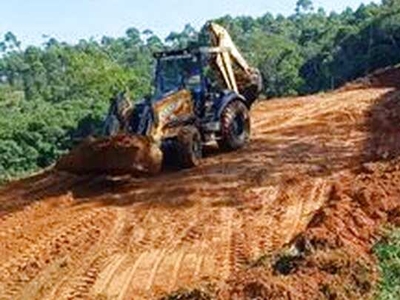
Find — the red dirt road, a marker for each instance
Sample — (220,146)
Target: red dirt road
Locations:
(67,237)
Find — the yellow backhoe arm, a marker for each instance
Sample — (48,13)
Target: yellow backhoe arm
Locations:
(227,55)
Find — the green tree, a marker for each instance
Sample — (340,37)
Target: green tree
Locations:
(304,6)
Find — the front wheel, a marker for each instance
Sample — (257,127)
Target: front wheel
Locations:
(190,146)
(235,126)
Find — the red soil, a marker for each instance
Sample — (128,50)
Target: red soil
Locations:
(292,216)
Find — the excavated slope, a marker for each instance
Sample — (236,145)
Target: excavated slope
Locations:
(283,218)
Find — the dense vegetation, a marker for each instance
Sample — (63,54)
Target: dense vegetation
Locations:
(52,94)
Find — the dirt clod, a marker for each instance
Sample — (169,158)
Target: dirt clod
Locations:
(116,155)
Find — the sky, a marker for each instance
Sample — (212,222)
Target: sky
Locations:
(72,20)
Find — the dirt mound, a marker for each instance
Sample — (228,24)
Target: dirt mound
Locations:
(388,77)
(116,155)
(332,258)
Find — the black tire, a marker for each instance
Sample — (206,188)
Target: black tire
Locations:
(190,147)
(235,126)
(111,126)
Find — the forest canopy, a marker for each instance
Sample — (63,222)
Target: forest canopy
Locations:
(53,94)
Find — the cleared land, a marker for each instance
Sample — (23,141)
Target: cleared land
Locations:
(294,215)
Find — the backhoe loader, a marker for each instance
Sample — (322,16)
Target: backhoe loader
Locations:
(202,95)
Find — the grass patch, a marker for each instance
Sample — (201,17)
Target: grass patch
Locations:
(388,253)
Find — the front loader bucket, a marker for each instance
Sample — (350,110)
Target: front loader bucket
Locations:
(116,155)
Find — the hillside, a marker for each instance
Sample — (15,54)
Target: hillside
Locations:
(294,215)
(56,93)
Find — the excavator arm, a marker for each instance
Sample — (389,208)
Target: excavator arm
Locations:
(235,72)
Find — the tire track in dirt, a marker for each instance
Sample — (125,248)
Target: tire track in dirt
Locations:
(79,280)
(85,280)
(142,277)
(115,260)
(51,252)
(125,251)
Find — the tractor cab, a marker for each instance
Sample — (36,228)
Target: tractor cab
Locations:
(177,70)
(184,70)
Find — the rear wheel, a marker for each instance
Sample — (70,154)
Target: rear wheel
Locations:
(235,126)
(190,147)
